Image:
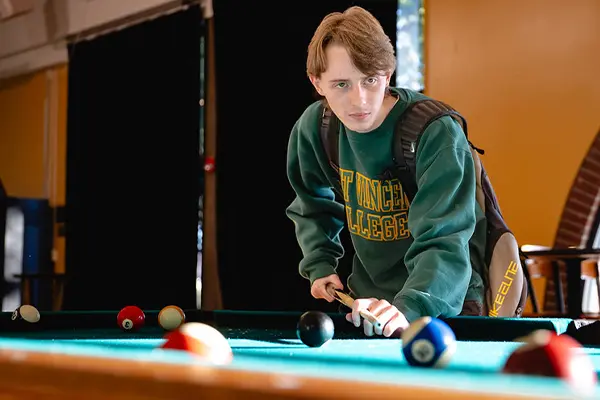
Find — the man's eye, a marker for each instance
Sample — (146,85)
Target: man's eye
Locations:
(341,85)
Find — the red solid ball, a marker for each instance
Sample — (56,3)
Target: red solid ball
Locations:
(131,318)
(545,353)
(201,340)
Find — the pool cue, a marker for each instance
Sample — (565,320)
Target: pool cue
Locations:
(348,300)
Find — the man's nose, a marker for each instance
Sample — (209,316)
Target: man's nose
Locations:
(358,95)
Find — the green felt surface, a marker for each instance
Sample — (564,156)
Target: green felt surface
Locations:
(475,366)
(470,356)
(266,341)
(467,328)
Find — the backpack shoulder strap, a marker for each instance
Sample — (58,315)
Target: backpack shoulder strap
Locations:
(417,117)
(330,134)
(409,127)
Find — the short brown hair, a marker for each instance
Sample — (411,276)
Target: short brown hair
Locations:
(359,32)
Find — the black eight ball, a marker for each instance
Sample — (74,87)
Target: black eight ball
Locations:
(315,328)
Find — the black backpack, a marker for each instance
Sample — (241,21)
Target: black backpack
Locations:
(505,279)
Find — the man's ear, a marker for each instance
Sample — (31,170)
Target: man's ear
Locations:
(316,83)
(388,78)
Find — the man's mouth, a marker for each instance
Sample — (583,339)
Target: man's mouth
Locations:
(360,116)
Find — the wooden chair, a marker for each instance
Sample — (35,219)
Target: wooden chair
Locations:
(575,252)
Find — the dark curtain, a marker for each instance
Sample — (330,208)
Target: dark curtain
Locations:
(132,165)
(262,90)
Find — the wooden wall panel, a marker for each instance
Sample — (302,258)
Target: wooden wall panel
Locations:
(33,139)
(525,74)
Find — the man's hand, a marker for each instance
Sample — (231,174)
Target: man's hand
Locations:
(391,319)
(319,287)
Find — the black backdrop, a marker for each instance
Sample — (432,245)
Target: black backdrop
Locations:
(132,163)
(262,89)
(132,166)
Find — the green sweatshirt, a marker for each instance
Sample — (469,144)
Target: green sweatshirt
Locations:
(416,256)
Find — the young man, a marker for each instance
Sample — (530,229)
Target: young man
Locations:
(411,260)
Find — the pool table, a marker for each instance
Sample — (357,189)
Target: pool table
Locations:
(85,355)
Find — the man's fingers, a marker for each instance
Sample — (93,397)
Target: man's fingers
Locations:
(330,290)
(319,287)
(377,307)
(368,328)
(356,318)
(396,325)
(315,292)
(391,327)
(384,316)
(357,306)
(326,295)
(387,314)
(336,283)
(320,292)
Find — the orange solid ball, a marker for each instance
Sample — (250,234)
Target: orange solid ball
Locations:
(201,340)
(547,354)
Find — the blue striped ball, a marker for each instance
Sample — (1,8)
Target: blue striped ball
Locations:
(428,342)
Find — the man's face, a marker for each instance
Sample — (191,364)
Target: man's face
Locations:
(355,98)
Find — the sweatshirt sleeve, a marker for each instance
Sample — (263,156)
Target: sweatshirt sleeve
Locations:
(317,216)
(442,220)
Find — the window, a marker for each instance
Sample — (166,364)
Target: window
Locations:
(409,44)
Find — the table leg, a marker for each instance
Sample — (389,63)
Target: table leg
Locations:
(25,291)
(574,289)
(558,287)
(532,293)
(57,294)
